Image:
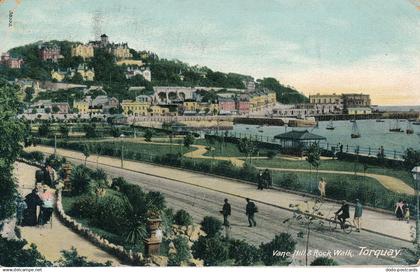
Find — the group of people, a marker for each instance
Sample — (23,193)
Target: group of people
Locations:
(402,210)
(344,213)
(37,206)
(250,210)
(264,179)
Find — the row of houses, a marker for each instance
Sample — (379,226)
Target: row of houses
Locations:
(324,104)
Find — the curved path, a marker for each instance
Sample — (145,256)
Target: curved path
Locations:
(391,183)
(52,239)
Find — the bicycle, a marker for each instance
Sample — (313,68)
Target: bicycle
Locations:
(347,226)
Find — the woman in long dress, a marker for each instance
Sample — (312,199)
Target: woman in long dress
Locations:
(32,201)
(399,209)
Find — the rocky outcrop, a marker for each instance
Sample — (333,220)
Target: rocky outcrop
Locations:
(192,232)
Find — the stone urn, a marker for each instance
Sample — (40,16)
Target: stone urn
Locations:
(152,243)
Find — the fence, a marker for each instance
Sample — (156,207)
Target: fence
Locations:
(332,147)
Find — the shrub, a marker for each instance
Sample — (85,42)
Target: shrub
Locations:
(323,261)
(99,174)
(183,218)
(84,207)
(37,156)
(290,181)
(148,134)
(243,253)
(118,182)
(55,161)
(211,226)
(271,154)
(111,214)
(16,253)
(167,216)
(80,179)
(72,259)
(282,242)
(155,200)
(212,250)
(182,251)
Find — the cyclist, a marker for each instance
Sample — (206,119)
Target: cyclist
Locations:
(343,213)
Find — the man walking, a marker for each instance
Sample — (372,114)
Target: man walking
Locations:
(251,209)
(357,215)
(267,178)
(260,180)
(226,211)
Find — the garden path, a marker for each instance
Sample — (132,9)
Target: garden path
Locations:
(51,239)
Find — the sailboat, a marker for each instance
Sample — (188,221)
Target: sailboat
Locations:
(409,129)
(330,125)
(355,131)
(396,127)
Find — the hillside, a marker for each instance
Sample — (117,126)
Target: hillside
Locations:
(164,72)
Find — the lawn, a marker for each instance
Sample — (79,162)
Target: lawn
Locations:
(338,166)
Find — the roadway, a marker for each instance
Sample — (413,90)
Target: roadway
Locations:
(200,202)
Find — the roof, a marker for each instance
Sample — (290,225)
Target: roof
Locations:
(299,135)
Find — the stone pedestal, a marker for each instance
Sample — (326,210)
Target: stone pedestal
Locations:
(67,172)
(152,243)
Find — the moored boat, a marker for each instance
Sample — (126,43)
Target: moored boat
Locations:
(355,133)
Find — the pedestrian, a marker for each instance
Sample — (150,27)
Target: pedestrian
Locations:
(226,211)
(268,181)
(260,180)
(251,209)
(32,201)
(399,213)
(47,205)
(321,187)
(49,175)
(358,210)
(39,176)
(406,211)
(21,206)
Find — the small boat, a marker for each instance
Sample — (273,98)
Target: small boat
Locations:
(260,130)
(409,129)
(330,125)
(379,121)
(247,128)
(396,127)
(416,123)
(355,133)
(352,120)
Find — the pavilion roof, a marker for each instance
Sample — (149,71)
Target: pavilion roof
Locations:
(299,135)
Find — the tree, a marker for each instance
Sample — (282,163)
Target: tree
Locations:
(211,226)
(183,218)
(182,251)
(247,146)
(188,140)
(314,157)
(212,250)
(307,216)
(55,109)
(90,130)
(282,242)
(86,151)
(411,158)
(64,130)
(77,78)
(115,132)
(29,94)
(243,253)
(72,259)
(16,253)
(284,94)
(47,110)
(323,261)
(44,129)
(148,134)
(80,179)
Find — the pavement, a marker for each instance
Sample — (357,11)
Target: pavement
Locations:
(51,239)
(376,222)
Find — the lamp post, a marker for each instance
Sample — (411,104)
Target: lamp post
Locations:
(122,150)
(416,176)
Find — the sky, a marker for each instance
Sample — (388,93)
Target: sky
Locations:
(316,46)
